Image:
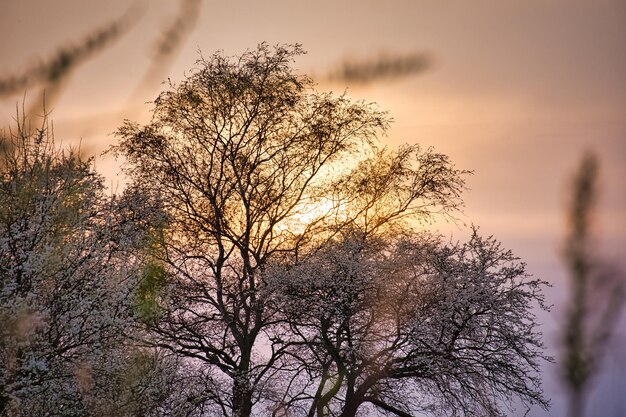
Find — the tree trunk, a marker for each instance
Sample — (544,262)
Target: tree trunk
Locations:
(351,407)
(242,388)
(357,397)
(242,398)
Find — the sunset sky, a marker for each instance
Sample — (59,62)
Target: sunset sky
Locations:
(515,90)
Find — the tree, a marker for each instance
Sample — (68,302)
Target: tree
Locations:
(260,177)
(66,286)
(407,323)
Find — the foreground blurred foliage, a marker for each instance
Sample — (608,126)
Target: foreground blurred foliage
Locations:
(66,279)
(597,293)
(150,289)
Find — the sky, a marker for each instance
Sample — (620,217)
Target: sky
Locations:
(516,91)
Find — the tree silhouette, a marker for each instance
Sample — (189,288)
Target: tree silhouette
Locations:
(408,323)
(285,228)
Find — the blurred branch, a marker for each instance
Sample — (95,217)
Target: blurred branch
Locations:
(596,294)
(169,44)
(385,66)
(52,74)
(174,34)
(57,68)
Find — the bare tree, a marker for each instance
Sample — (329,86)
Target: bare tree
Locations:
(233,151)
(239,152)
(404,323)
(265,185)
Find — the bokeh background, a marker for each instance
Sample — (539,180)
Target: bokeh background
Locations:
(516,91)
